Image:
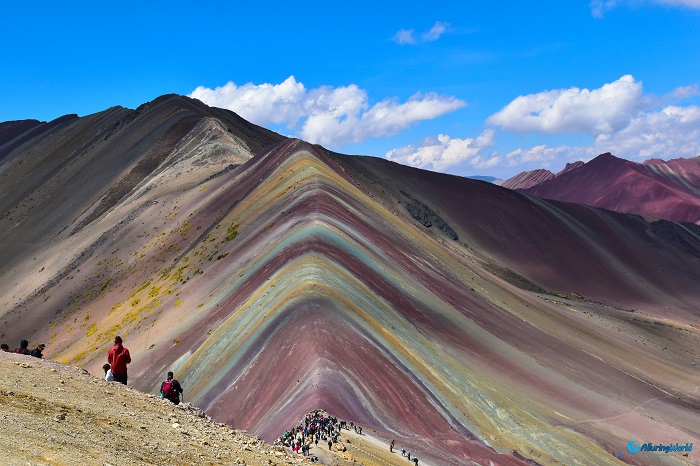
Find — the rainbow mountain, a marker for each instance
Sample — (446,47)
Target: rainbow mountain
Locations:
(469,322)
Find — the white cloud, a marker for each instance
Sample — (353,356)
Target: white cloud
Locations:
(672,132)
(436,31)
(261,104)
(573,110)
(618,117)
(326,115)
(600,7)
(407,36)
(404,36)
(443,152)
(669,133)
(685,3)
(544,156)
(684,92)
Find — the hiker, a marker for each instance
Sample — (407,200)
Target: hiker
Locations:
(108,373)
(415,461)
(409,456)
(118,357)
(391,448)
(170,389)
(403,452)
(330,444)
(36,352)
(23,347)
(5,348)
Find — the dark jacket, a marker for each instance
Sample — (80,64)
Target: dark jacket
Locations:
(176,386)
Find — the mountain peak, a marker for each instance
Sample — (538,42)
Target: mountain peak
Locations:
(654,190)
(528,179)
(300,278)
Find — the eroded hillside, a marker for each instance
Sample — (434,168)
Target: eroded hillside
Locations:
(464,320)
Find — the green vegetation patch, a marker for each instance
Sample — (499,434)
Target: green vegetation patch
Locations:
(231,233)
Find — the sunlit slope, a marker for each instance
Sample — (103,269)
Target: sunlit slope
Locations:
(57,177)
(292,283)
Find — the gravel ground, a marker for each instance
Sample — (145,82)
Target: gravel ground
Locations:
(53,414)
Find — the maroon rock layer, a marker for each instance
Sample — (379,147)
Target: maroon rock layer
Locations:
(655,190)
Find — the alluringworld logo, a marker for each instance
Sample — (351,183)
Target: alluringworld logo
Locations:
(635,447)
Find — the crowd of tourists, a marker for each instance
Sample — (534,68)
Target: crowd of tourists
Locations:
(317,426)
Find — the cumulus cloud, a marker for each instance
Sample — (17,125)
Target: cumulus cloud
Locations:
(331,116)
(408,36)
(443,152)
(618,117)
(668,133)
(358,123)
(672,132)
(261,104)
(573,110)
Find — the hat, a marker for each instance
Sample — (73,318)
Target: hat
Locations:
(42,346)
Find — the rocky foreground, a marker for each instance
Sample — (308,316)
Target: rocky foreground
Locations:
(56,414)
(53,414)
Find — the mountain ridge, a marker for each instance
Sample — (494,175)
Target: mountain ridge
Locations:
(654,189)
(299,278)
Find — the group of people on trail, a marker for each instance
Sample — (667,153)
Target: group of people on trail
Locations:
(320,426)
(24,349)
(404,453)
(316,426)
(115,371)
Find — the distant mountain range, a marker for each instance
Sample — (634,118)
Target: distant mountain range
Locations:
(654,189)
(469,322)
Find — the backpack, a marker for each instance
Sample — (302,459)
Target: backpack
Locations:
(168,390)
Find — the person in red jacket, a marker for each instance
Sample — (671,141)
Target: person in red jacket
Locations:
(118,357)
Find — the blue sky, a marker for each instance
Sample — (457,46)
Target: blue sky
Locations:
(487,88)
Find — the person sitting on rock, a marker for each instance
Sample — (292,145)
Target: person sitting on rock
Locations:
(5,348)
